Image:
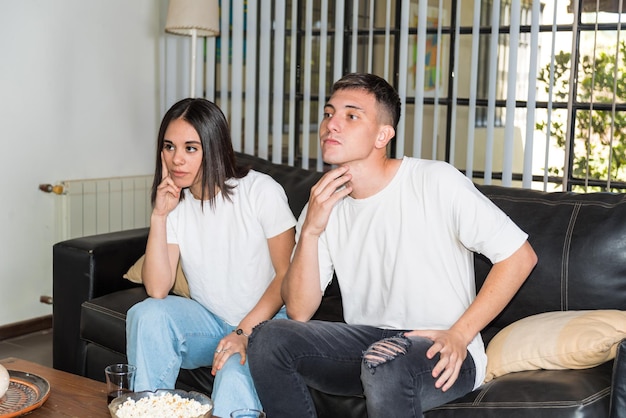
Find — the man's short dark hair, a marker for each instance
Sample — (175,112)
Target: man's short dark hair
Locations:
(384,93)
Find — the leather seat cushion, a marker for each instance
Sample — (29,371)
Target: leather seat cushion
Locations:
(103,319)
(537,393)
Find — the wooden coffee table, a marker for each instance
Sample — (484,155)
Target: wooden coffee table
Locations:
(70,395)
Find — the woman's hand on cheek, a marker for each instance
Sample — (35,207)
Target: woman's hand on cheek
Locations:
(168,194)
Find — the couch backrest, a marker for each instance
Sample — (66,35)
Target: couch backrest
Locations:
(580,240)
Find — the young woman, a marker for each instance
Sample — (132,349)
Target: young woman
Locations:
(233,233)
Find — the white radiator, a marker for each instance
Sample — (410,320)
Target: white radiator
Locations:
(96,206)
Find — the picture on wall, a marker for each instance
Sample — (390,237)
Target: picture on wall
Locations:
(431,72)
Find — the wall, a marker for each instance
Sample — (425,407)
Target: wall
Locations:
(79,98)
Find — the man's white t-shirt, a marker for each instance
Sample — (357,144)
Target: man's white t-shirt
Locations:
(403,257)
(223,250)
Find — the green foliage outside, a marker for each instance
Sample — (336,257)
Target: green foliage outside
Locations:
(594,151)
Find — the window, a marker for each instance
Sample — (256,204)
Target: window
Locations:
(486,85)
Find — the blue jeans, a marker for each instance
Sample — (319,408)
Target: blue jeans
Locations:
(165,335)
(287,356)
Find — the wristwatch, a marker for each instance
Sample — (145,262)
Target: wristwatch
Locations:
(239,331)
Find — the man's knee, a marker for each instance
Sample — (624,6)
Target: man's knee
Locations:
(385,350)
(262,350)
(267,333)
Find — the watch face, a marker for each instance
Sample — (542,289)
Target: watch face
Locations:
(239,331)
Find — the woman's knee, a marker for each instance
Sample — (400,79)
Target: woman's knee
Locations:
(234,369)
(149,312)
(143,308)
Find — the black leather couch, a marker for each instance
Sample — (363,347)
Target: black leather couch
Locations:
(580,240)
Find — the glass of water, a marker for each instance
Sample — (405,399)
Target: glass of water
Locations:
(247,413)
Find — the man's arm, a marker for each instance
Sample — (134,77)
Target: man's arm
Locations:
(301,286)
(501,284)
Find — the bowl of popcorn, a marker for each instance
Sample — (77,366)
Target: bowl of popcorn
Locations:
(163,403)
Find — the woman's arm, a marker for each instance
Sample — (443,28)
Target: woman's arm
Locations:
(280,247)
(159,268)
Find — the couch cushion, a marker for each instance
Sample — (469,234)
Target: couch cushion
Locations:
(180,288)
(103,319)
(537,394)
(556,341)
(579,239)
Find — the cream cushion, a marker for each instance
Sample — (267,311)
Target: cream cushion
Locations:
(180,288)
(556,341)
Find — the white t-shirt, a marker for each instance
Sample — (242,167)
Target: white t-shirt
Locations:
(223,251)
(403,257)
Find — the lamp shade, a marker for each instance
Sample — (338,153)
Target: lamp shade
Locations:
(183,16)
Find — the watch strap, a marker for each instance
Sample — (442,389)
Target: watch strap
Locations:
(239,331)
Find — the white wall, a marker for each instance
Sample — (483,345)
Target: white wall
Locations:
(79,98)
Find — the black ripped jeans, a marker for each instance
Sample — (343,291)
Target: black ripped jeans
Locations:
(391,370)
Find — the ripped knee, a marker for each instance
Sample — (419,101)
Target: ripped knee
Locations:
(385,350)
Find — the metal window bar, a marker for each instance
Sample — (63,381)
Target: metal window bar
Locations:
(486,101)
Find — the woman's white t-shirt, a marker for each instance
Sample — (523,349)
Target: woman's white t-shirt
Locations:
(223,250)
(403,257)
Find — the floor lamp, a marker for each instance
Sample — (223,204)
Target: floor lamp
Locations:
(193,18)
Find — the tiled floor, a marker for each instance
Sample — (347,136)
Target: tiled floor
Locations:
(35,347)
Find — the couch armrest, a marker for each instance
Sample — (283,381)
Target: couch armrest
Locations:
(82,269)
(618,383)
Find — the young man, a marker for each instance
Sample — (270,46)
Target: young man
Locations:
(400,236)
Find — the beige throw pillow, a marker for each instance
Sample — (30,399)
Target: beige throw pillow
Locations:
(556,341)
(181,288)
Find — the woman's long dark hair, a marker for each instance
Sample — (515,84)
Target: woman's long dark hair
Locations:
(218,156)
